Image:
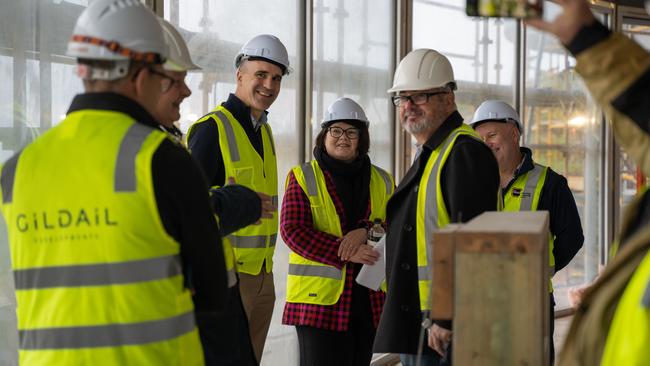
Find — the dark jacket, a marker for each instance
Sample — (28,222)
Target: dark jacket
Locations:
(470,185)
(556,198)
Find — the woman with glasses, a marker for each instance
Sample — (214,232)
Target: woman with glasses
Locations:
(329,205)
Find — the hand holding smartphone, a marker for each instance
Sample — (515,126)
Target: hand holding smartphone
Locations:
(505,8)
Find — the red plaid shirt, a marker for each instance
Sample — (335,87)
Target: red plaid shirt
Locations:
(298,232)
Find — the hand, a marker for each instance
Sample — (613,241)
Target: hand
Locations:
(439,338)
(268,208)
(576,295)
(575,15)
(351,242)
(365,254)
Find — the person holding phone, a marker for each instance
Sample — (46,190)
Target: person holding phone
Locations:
(612,323)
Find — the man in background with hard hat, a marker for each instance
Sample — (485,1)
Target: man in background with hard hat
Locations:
(453,179)
(219,348)
(529,186)
(612,324)
(100,250)
(236,142)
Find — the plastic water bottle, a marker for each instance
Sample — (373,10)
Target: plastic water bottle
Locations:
(376,232)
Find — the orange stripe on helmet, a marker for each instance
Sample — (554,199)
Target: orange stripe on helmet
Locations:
(115,47)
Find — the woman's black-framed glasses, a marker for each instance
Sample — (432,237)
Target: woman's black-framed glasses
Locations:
(352,133)
(417,99)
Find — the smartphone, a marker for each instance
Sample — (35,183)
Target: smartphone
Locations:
(505,8)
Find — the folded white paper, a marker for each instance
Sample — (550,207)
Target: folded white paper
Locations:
(372,276)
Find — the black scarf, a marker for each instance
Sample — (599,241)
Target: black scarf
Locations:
(352,182)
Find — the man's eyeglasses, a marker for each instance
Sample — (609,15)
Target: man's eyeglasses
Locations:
(417,99)
(352,133)
(166,82)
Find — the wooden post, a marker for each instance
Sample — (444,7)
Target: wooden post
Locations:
(500,282)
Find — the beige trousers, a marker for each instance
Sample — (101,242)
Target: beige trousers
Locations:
(258,297)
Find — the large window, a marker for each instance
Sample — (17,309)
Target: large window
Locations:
(563,127)
(481,51)
(352,57)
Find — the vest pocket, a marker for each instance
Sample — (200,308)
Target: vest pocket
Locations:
(311,282)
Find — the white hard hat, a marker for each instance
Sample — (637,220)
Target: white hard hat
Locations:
(118,30)
(345,109)
(179,55)
(267,47)
(495,111)
(423,69)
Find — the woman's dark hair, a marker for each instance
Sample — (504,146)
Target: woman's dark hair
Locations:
(364,137)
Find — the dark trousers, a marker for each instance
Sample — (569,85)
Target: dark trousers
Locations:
(224,335)
(320,347)
(551,346)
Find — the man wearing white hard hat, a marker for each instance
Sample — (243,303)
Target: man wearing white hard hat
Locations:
(235,142)
(529,186)
(219,348)
(105,213)
(439,188)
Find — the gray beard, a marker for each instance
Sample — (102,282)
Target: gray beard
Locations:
(416,128)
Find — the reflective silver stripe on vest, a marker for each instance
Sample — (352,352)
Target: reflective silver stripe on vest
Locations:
(8,178)
(232,277)
(98,274)
(386,178)
(230,136)
(112,335)
(529,190)
(424,273)
(273,238)
(125,164)
(310,179)
(431,208)
(251,242)
(315,271)
(274,201)
(268,133)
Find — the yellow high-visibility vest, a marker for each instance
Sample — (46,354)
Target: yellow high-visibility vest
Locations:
(629,333)
(253,245)
(431,209)
(523,195)
(313,282)
(98,279)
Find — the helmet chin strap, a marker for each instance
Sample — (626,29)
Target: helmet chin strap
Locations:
(88,72)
